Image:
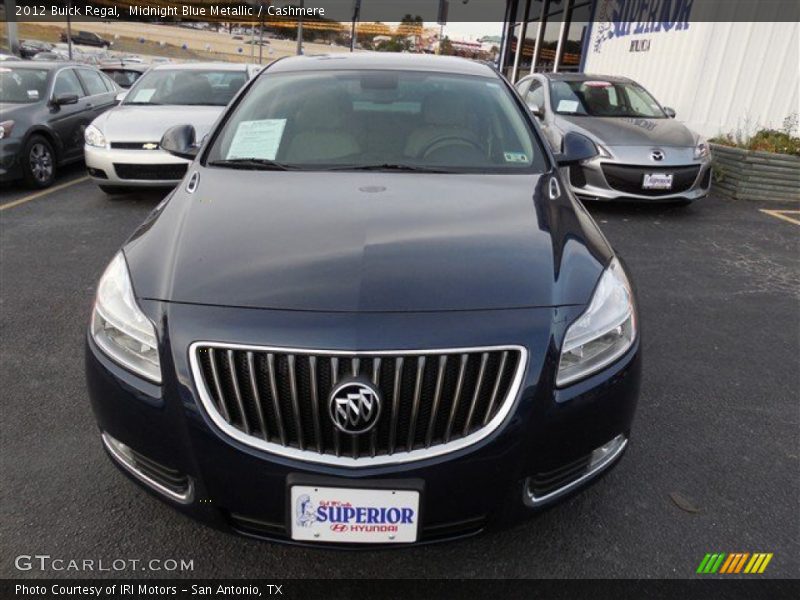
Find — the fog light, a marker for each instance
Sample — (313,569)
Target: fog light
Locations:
(163,479)
(604,452)
(546,486)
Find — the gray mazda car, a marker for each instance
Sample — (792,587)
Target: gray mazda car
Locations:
(644,153)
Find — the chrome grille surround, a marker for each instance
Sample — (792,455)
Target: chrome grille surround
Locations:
(452,440)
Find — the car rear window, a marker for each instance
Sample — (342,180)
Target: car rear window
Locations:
(186,87)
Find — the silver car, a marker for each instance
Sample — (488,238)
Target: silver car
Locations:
(644,153)
(122,145)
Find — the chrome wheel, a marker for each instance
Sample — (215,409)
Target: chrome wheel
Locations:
(41,162)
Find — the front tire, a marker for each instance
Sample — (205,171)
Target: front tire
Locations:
(38,162)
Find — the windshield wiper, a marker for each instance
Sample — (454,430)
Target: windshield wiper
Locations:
(388,167)
(262,164)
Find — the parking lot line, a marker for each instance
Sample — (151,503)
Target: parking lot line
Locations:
(782,214)
(30,197)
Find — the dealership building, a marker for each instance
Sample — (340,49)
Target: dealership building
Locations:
(719,76)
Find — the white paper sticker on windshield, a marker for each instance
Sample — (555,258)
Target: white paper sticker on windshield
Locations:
(144,95)
(257,139)
(33,94)
(567,106)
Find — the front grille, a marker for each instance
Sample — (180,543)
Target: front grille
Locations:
(428,533)
(166,172)
(629,178)
(133,146)
(547,482)
(432,402)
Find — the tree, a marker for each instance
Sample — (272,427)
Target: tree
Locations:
(446,47)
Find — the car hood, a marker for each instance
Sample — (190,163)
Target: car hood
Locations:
(619,131)
(366,242)
(22,112)
(127,123)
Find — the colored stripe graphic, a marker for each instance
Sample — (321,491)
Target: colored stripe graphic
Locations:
(703,563)
(734,563)
(767,558)
(741,562)
(711,563)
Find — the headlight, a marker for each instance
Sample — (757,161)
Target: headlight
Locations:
(5,129)
(702,150)
(603,332)
(94,137)
(120,328)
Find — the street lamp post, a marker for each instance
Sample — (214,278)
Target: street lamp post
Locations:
(300,30)
(356,14)
(69,29)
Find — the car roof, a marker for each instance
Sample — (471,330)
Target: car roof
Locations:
(200,66)
(585,77)
(47,65)
(382,60)
(121,64)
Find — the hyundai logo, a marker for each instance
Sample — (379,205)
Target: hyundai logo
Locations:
(355,406)
(657,155)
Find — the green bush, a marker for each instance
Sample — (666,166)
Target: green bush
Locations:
(783,141)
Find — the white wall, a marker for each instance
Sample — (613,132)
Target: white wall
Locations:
(717,76)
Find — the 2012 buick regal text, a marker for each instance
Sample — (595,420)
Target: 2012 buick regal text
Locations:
(373,312)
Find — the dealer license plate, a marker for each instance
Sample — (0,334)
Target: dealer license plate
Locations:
(354,515)
(657,181)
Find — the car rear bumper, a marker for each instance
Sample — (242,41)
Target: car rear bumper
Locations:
(235,487)
(134,168)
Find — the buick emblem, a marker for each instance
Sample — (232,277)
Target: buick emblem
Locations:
(355,406)
(149,146)
(657,155)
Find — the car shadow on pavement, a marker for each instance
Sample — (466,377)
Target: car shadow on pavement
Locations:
(636,209)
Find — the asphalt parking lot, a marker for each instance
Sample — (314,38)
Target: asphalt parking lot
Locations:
(713,465)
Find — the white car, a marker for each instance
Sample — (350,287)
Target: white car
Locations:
(122,145)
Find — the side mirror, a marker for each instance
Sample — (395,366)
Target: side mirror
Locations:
(61,99)
(576,148)
(670,112)
(121,96)
(180,141)
(537,111)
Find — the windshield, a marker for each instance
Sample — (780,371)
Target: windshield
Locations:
(22,86)
(186,87)
(122,77)
(392,120)
(603,99)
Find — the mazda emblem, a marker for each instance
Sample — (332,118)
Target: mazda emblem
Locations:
(355,406)
(657,155)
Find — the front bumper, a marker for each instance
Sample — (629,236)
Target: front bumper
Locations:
(145,168)
(242,489)
(10,166)
(592,180)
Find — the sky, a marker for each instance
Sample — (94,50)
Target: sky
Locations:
(471,31)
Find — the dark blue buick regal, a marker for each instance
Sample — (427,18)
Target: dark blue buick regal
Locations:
(372,313)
